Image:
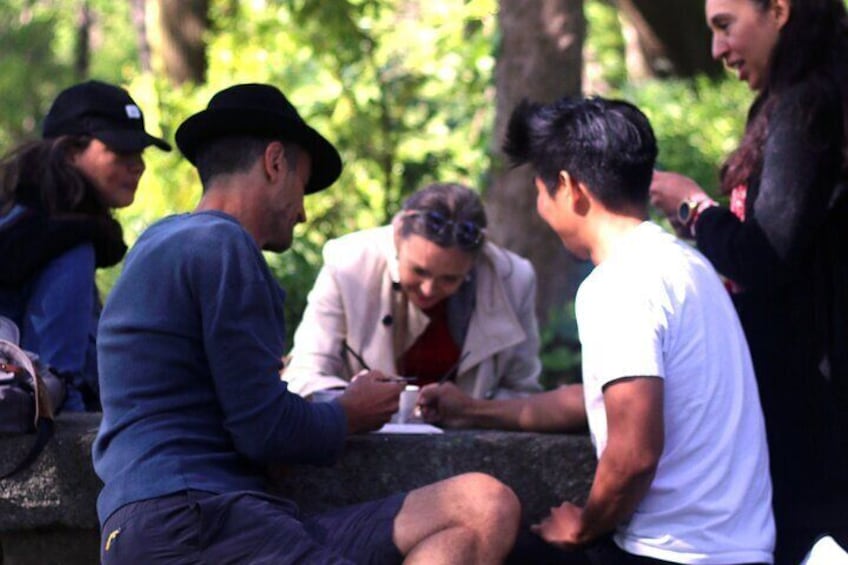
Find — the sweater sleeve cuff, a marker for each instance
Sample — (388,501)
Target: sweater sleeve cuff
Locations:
(700,208)
(337,434)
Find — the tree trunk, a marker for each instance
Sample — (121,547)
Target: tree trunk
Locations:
(184,24)
(139,20)
(82,48)
(540,59)
(672,36)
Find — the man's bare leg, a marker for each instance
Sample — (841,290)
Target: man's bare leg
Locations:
(470,518)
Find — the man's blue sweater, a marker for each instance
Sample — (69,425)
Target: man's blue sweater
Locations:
(189,351)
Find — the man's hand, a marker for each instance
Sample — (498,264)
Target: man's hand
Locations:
(369,401)
(445,404)
(563,528)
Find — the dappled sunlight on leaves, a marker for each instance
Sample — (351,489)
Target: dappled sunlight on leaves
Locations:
(404,89)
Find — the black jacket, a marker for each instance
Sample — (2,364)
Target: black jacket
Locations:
(32,240)
(790,256)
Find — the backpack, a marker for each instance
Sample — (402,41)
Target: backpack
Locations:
(28,394)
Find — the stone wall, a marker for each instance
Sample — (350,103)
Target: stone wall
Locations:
(47,513)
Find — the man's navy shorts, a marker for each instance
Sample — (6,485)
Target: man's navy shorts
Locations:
(248,527)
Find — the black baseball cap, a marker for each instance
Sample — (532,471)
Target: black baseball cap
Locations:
(103,111)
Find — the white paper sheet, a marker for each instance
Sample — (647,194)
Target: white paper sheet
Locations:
(412,428)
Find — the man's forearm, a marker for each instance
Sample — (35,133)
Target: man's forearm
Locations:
(635,440)
(618,488)
(554,411)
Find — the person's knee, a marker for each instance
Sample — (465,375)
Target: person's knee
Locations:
(473,512)
(496,506)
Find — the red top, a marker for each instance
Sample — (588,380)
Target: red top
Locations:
(738,196)
(434,352)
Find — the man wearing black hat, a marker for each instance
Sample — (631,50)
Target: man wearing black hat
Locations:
(193,407)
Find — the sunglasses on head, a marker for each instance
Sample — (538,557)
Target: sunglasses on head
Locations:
(466,234)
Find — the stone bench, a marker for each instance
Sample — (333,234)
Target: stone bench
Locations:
(47,513)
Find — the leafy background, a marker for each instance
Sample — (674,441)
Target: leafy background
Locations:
(405,90)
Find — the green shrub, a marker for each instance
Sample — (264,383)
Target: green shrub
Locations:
(697,122)
(560,349)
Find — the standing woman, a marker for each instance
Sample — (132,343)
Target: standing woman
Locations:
(425,297)
(56,227)
(783,245)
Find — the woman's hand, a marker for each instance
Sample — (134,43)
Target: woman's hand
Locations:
(669,190)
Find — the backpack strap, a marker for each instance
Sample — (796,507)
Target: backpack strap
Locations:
(44,426)
(43,433)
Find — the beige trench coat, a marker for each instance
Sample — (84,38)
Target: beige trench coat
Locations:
(356,298)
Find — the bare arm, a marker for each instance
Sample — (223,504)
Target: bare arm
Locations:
(669,189)
(634,408)
(553,411)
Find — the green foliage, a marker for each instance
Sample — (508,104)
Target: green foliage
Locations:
(403,88)
(697,123)
(404,91)
(560,349)
(603,50)
(38,42)
(29,69)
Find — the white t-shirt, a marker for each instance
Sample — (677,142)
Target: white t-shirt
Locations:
(656,307)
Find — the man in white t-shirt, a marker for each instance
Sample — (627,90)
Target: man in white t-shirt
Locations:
(668,388)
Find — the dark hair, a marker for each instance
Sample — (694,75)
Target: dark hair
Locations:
(608,145)
(236,154)
(448,214)
(39,174)
(812,44)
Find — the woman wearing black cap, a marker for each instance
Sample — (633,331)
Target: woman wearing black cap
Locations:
(56,227)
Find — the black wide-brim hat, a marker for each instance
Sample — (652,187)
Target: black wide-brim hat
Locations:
(260,110)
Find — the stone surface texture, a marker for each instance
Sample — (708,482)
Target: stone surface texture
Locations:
(47,513)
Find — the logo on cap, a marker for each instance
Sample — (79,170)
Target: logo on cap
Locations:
(132,111)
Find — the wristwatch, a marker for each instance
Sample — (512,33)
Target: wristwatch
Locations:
(690,209)
(687,210)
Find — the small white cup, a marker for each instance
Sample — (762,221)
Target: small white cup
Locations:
(406,410)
